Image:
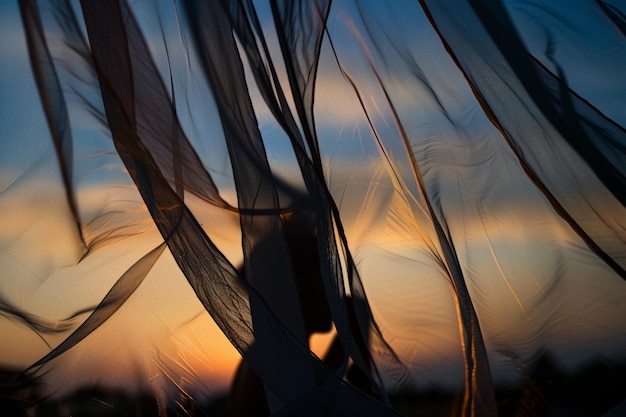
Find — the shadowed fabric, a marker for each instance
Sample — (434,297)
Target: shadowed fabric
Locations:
(277,158)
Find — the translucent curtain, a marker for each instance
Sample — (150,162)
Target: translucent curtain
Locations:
(437,186)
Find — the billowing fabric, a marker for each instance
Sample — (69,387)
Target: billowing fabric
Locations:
(362,200)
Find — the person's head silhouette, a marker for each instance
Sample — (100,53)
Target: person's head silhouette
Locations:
(301,237)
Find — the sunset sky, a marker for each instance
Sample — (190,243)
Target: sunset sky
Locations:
(534,282)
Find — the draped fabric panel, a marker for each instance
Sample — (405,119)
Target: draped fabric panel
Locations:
(351,201)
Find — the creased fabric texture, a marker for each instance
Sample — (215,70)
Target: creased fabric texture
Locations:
(439,185)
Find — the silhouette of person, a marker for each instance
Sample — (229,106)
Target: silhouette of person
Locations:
(248,397)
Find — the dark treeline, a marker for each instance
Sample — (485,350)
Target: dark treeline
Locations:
(546,390)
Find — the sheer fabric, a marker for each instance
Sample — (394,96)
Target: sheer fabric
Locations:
(257,166)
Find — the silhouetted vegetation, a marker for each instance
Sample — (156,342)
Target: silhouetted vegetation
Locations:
(546,391)
(23,397)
